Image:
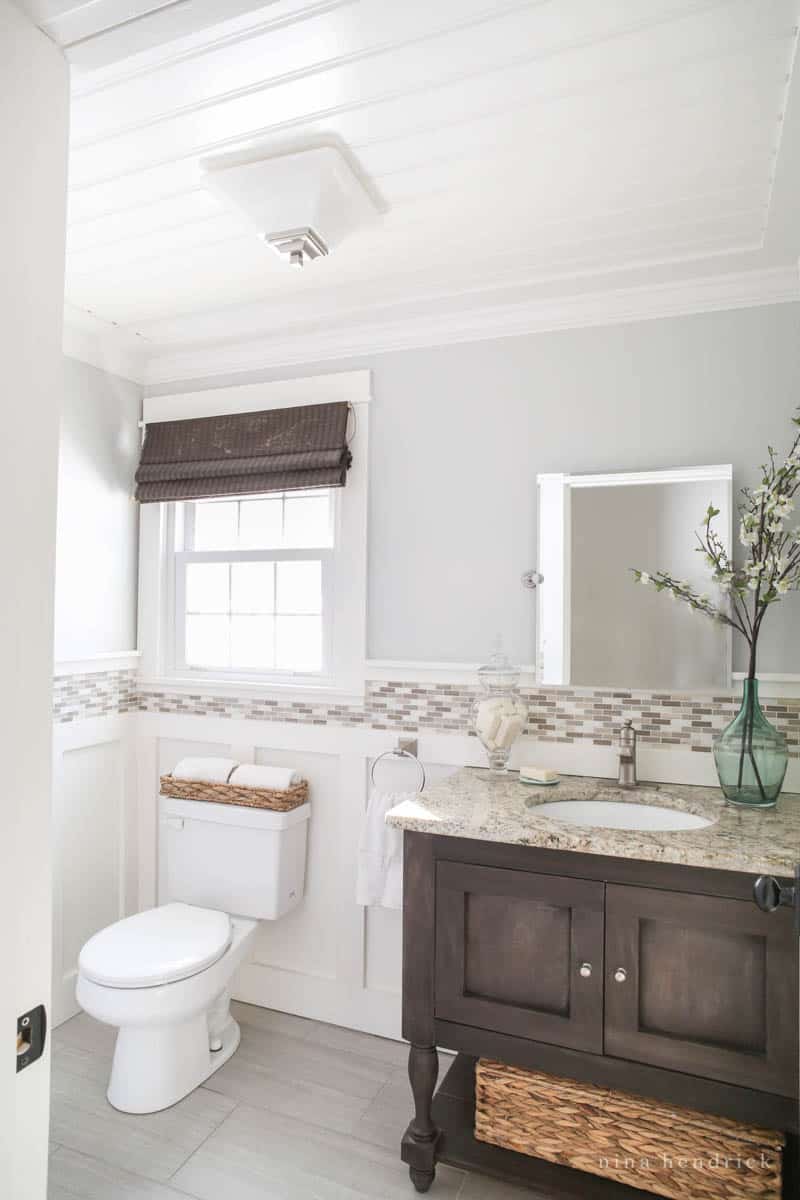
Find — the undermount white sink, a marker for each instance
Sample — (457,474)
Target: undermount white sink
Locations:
(614,814)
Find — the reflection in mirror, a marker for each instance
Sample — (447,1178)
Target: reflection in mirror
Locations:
(596,627)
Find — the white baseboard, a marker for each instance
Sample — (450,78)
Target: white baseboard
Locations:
(320,1000)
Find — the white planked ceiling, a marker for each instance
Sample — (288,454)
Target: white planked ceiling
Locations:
(516,147)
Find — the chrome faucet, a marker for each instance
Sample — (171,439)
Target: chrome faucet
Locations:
(627,756)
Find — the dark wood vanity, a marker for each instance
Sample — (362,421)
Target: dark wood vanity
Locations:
(660,979)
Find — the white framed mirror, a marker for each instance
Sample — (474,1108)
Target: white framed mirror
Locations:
(596,627)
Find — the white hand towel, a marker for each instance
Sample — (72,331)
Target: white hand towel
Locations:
(254,775)
(380,853)
(205,770)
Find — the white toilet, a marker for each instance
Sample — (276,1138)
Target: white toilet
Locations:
(162,976)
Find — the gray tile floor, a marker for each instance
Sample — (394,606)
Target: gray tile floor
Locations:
(302,1111)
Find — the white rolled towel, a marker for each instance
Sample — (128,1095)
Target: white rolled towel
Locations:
(205,770)
(255,775)
(379,879)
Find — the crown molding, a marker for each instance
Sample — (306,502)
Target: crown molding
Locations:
(103,345)
(123,352)
(372,333)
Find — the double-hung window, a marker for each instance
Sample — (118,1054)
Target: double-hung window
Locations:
(253,585)
(253,536)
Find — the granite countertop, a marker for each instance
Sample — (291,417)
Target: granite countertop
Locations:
(474,804)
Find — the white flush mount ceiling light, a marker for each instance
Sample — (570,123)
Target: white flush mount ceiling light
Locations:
(302,204)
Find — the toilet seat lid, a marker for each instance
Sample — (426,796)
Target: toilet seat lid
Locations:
(161,945)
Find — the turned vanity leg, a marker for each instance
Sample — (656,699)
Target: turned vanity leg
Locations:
(422,1135)
(421,1139)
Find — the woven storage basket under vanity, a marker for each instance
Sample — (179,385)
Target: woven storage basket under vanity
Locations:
(230,793)
(646,1144)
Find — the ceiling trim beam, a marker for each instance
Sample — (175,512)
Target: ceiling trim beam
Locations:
(783,219)
(104,30)
(193,46)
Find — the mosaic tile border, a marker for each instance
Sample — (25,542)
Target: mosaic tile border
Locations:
(94,694)
(570,715)
(666,720)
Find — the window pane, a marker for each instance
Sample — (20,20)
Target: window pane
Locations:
(260,523)
(207,641)
(299,587)
(298,643)
(307,521)
(216,524)
(252,643)
(207,587)
(252,587)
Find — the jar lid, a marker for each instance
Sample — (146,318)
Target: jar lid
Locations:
(499,671)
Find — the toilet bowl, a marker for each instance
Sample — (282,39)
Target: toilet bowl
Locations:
(162,977)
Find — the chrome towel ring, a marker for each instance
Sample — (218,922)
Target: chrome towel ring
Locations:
(398,753)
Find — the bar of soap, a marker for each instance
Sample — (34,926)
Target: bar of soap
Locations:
(538,775)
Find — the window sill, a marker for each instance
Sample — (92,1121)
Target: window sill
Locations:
(121,660)
(207,685)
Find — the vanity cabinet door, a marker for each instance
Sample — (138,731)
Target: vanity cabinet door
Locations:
(520,953)
(702,985)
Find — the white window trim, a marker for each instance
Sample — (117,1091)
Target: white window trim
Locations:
(346,677)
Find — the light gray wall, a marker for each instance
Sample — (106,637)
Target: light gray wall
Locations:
(97,534)
(458,435)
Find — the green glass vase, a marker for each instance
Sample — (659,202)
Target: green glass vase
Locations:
(751,755)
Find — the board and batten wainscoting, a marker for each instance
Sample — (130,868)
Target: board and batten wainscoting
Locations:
(329,959)
(95,844)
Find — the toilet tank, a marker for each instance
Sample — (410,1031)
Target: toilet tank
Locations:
(248,862)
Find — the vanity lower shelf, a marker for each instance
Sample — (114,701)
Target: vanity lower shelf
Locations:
(454,1113)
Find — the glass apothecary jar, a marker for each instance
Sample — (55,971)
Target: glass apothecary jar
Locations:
(499,713)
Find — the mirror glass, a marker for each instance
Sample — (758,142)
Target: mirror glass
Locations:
(597,626)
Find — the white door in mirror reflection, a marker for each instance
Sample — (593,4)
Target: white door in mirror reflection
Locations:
(596,626)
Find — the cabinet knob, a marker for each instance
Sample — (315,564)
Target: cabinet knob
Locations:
(769,895)
(620,975)
(585,970)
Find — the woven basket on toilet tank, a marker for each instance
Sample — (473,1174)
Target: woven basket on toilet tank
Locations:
(646,1144)
(229,793)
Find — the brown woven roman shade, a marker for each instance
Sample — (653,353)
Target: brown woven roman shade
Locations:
(275,451)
